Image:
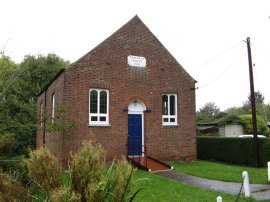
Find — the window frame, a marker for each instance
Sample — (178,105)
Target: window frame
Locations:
(99,115)
(170,116)
(53,107)
(41,114)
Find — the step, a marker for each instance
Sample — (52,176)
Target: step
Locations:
(149,163)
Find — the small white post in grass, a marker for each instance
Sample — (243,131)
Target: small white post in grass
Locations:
(246,184)
(268,165)
(219,199)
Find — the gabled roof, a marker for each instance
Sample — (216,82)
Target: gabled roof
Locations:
(54,78)
(138,23)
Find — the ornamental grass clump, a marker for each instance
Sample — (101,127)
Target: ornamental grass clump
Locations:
(64,194)
(11,190)
(43,171)
(122,181)
(114,185)
(89,179)
(87,167)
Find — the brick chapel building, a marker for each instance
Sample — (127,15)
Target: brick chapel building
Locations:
(129,90)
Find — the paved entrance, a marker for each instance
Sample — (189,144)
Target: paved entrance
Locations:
(258,191)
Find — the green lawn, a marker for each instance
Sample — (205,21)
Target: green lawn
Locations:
(159,189)
(221,171)
(156,188)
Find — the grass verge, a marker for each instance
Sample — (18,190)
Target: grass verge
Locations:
(222,171)
(159,189)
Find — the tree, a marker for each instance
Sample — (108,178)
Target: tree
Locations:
(208,113)
(262,109)
(209,109)
(259,97)
(19,86)
(7,66)
(246,120)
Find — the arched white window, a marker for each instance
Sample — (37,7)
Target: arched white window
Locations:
(169,109)
(98,106)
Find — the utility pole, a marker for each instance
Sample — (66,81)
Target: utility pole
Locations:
(253,108)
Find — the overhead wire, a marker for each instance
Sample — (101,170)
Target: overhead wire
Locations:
(259,82)
(260,49)
(224,72)
(2,51)
(263,106)
(216,56)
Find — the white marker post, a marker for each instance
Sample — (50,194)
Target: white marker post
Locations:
(268,165)
(219,199)
(246,184)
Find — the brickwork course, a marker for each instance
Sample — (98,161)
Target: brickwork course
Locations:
(106,67)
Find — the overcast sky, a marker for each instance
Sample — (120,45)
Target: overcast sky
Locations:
(206,37)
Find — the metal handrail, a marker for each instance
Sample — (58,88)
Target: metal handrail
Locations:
(141,148)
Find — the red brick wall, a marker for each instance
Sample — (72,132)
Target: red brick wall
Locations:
(106,67)
(53,141)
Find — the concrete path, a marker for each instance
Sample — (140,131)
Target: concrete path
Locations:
(258,191)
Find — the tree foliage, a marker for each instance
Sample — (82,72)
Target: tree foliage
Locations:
(229,119)
(262,109)
(7,142)
(208,113)
(210,109)
(259,97)
(19,86)
(248,127)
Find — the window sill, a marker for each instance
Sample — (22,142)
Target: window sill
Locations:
(99,125)
(167,126)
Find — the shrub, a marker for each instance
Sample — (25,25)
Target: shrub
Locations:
(94,181)
(121,180)
(11,190)
(86,167)
(246,120)
(265,151)
(64,194)
(43,170)
(88,180)
(229,119)
(232,150)
(114,185)
(11,165)
(7,142)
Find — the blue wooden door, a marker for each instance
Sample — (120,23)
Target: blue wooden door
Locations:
(134,134)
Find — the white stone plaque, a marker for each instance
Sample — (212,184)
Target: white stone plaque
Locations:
(136,61)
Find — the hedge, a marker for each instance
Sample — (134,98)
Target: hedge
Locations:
(232,150)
